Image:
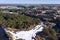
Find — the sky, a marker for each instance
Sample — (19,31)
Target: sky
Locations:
(29,1)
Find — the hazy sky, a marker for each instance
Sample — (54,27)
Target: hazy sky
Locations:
(29,1)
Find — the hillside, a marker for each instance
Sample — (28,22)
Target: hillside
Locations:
(17,21)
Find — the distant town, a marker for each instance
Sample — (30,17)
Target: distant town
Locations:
(44,10)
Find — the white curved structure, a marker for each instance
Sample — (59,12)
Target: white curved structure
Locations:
(27,35)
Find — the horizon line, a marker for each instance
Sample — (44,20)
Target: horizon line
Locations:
(41,3)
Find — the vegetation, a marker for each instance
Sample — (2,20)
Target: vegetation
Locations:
(50,34)
(17,21)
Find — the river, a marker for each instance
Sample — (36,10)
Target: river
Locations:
(27,35)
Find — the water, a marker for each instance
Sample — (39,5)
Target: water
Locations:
(3,35)
(27,35)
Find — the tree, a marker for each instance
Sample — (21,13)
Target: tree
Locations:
(50,33)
